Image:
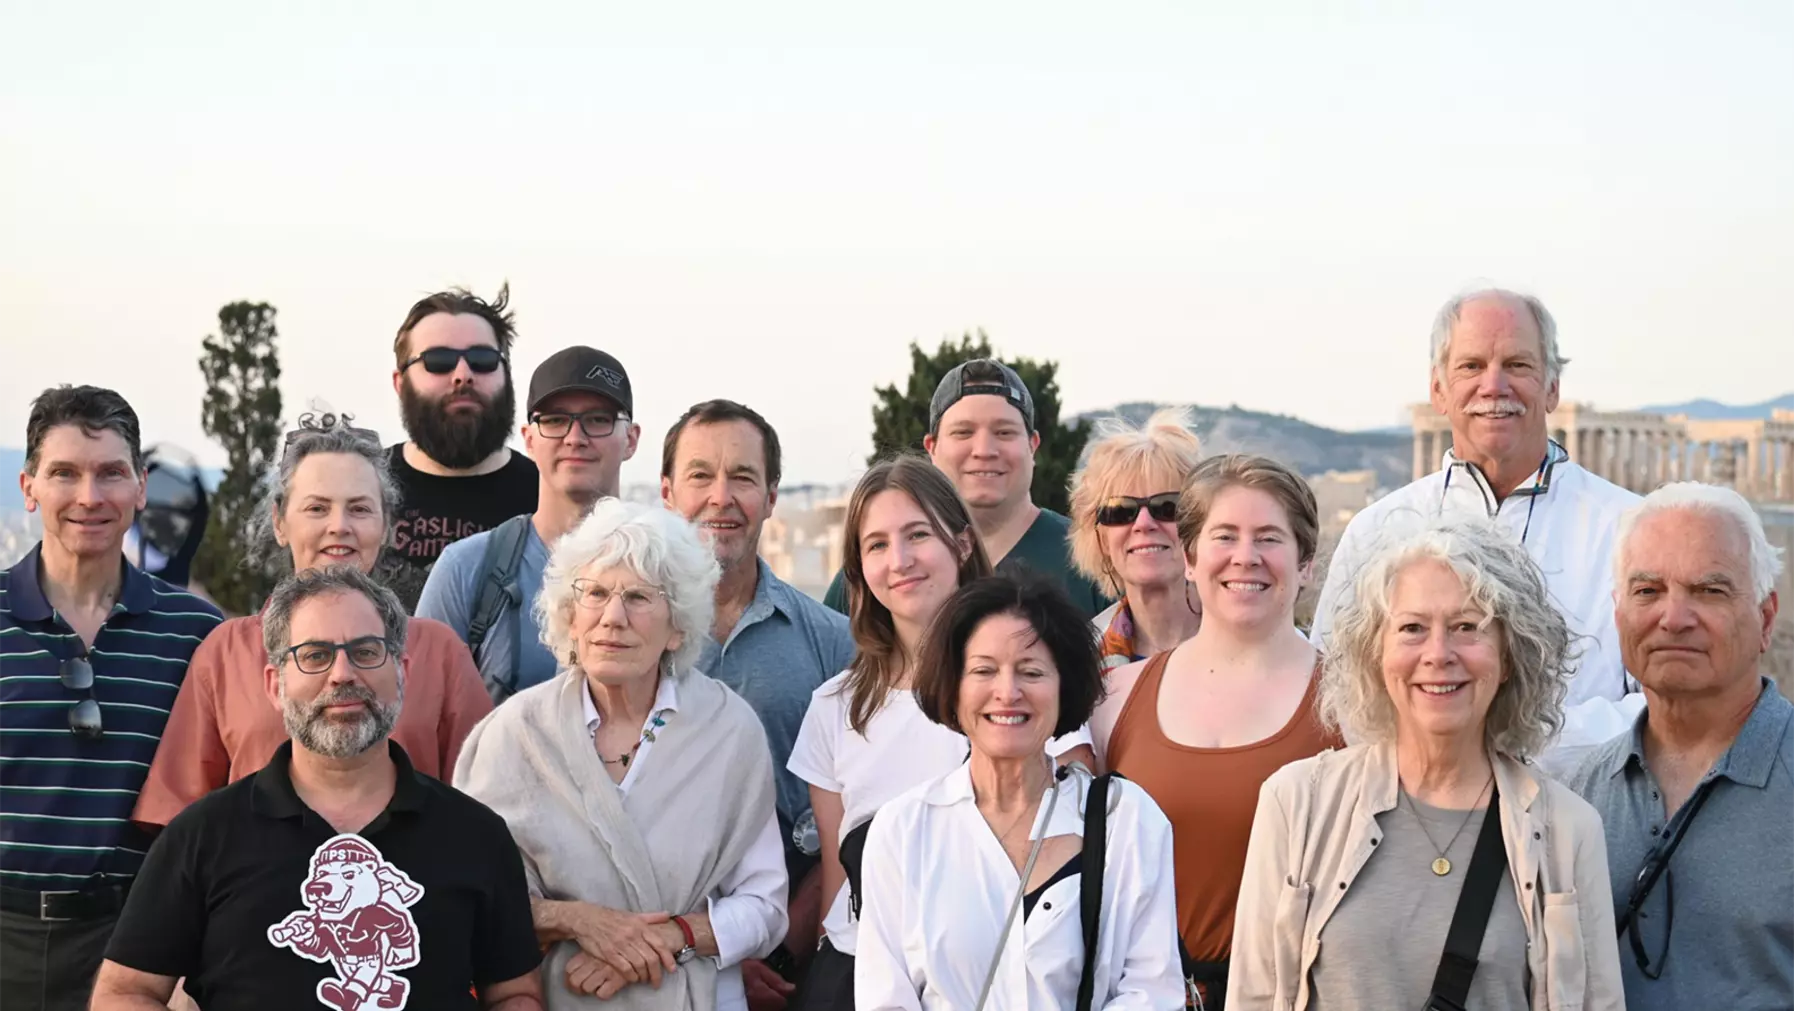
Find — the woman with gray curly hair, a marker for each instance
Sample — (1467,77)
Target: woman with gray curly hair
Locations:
(1376,875)
(639,790)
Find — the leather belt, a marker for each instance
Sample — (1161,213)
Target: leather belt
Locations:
(86,904)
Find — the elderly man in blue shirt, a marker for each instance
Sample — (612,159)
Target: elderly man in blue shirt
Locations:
(1698,797)
(771,644)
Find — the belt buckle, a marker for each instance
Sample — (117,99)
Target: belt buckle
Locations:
(43,907)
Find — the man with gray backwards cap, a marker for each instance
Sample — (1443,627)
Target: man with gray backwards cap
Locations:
(981,435)
(580,428)
(1495,375)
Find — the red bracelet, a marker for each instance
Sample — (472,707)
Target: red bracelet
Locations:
(691,939)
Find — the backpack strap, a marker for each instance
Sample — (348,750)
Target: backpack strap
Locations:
(499,588)
(1090,883)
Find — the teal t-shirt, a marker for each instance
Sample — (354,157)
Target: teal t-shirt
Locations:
(1044,550)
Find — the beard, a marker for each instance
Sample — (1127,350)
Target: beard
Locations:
(309,727)
(454,439)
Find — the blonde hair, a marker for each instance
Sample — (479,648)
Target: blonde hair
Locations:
(1502,581)
(1160,454)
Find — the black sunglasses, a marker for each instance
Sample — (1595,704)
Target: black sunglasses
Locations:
(84,716)
(481,358)
(1122,510)
(1656,868)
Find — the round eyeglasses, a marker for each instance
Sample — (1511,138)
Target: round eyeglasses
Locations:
(592,596)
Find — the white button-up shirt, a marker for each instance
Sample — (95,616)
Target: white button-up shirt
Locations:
(1568,520)
(747,913)
(939,886)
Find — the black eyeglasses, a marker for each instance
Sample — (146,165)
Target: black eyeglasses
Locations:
(1656,866)
(1122,510)
(84,716)
(481,358)
(317,657)
(595,424)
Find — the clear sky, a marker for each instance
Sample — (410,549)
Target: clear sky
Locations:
(1217,203)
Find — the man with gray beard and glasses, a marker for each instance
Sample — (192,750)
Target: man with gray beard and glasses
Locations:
(305,884)
(1495,374)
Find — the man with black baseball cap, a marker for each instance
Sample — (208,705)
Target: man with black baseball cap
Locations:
(580,430)
(981,434)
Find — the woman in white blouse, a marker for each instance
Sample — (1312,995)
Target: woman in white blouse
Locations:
(910,544)
(973,881)
(640,795)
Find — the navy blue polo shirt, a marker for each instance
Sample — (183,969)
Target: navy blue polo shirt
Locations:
(263,905)
(65,801)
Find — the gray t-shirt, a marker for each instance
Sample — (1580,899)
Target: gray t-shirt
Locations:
(453,590)
(1381,947)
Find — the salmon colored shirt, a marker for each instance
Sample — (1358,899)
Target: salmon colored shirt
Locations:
(223,727)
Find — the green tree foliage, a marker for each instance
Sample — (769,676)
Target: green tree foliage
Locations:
(900,417)
(241,412)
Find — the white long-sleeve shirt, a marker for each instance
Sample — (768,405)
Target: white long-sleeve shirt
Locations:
(748,916)
(1570,528)
(939,886)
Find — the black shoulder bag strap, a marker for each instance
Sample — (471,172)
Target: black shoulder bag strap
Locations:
(1090,884)
(499,590)
(1464,941)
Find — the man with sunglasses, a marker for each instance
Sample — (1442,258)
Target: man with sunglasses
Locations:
(455,474)
(92,652)
(1697,798)
(981,435)
(579,433)
(1495,375)
(337,876)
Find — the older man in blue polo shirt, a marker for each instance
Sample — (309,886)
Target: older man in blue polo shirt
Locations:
(1698,797)
(774,646)
(92,651)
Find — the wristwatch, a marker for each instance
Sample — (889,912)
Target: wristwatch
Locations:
(690,951)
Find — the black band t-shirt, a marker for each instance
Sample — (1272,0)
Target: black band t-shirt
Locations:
(262,905)
(436,511)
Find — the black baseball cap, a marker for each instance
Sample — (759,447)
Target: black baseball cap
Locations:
(581,368)
(985,376)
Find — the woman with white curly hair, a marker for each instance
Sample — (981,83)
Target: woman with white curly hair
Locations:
(1429,864)
(639,791)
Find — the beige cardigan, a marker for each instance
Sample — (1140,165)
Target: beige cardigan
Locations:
(1316,826)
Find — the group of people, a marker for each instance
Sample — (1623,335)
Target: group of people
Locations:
(498,738)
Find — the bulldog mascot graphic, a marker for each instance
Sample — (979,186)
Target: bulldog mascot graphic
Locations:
(357,917)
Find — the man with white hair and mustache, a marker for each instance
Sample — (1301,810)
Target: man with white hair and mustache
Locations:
(326,873)
(1495,374)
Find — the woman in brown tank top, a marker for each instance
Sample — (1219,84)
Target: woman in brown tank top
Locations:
(1202,726)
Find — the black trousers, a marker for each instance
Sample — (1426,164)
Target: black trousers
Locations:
(50,965)
(828,986)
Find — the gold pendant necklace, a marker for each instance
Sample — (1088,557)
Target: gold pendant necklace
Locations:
(1441,865)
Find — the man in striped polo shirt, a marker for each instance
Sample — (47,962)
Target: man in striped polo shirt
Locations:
(92,651)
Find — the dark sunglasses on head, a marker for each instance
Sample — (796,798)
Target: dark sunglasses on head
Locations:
(1122,510)
(84,716)
(309,423)
(481,358)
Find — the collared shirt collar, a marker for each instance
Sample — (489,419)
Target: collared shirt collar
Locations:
(25,591)
(1469,474)
(275,797)
(1752,753)
(666,697)
(1067,815)
(1382,780)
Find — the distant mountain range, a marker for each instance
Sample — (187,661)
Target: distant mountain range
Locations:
(1310,449)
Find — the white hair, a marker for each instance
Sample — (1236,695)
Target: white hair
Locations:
(658,545)
(1713,499)
(1448,318)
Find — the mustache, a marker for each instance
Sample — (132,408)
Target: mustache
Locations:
(1481,407)
(347,693)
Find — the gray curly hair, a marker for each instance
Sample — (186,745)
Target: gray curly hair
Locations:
(660,546)
(1505,584)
